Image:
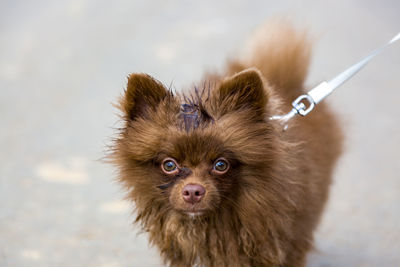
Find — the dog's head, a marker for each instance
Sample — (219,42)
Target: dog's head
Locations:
(194,155)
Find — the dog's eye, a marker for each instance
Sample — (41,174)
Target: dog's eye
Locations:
(221,166)
(169,166)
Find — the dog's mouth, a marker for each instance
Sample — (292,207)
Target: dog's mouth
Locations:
(194,214)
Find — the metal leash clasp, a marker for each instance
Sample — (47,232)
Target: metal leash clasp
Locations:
(299,107)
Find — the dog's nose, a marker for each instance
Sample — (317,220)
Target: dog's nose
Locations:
(193,193)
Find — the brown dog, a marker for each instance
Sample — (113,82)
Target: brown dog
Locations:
(214,180)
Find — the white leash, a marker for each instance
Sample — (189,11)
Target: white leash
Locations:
(321,91)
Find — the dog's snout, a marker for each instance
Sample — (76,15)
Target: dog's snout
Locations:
(193,193)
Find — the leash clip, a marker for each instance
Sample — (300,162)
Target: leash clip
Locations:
(302,108)
(299,107)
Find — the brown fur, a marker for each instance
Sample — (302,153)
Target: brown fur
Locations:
(263,211)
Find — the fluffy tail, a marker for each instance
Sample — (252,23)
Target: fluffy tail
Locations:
(282,54)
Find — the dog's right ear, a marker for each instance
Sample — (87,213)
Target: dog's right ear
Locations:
(142,94)
(244,90)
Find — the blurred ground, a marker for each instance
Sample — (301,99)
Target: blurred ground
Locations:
(63,62)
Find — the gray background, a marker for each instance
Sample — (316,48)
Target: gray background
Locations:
(62,63)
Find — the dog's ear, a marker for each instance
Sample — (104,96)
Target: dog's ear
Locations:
(244,90)
(142,94)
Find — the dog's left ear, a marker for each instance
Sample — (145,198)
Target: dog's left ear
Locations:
(142,94)
(244,90)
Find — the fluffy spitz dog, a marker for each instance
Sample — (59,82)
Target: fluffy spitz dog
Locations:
(214,180)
